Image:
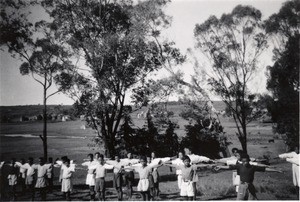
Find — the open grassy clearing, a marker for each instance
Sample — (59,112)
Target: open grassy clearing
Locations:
(66,138)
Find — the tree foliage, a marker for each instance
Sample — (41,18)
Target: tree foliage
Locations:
(204,134)
(283,82)
(283,75)
(42,58)
(116,41)
(233,43)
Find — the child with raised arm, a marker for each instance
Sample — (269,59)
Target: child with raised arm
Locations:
(188,173)
(66,183)
(41,183)
(195,159)
(178,162)
(22,175)
(144,172)
(13,177)
(129,175)
(293,157)
(90,178)
(236,174)
(118,175)
(246,190)
(30,176)
(101,168)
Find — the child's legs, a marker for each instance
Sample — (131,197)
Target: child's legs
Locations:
(143,193)
(68,196)
(12,192)
(251,192)
(195,190)
(31,189)
(92,192)
(119,192)
(43,193)
(242,192)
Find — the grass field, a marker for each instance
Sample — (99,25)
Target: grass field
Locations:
(66,138)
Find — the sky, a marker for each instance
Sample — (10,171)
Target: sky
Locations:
(16,89)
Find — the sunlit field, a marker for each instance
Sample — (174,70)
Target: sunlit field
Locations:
(67,138)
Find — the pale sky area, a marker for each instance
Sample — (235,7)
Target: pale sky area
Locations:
(23,90)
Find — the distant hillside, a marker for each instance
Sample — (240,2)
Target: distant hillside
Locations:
(15,112)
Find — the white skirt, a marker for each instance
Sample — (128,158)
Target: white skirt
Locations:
(40,182)
(143,185)
(187,189)
(66,185)
(90,179)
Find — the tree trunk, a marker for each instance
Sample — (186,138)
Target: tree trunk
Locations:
(244,139)
(44,139)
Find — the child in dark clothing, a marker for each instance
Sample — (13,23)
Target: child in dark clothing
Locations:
(246,190)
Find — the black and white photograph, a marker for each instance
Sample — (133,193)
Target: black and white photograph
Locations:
(149,100)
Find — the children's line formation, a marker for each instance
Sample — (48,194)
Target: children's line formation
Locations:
(39,177)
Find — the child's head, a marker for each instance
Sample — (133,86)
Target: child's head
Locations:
(67,163)
(13,161)
(22,161)
(30,160)
(143,160)
(50,160)
(97,155)
(180,155)
(101,158)
(117,158)
(234,151)
(153,156)
(41,161)
(64,158)
(245,159)
(186,161)
(148,159)
(238,154)
(187,151)
(90,157)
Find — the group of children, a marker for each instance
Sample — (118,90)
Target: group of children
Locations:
(40,176)
(34,177)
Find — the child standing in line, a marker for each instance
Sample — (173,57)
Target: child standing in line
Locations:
(41,182)
(30,177)
(188,175)
(101,168)
(90,178)
(293,157)
(246,190)
(194,160)
(144,172)
(50,174)
(13,177)
(22,174)
(66,183)
(178,162)
(129,174)
(118,175)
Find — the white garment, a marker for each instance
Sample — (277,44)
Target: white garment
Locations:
(178,162)
(293,158)
(66,184)
(143,185)
(187,189)
(198,159)
(90,178)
